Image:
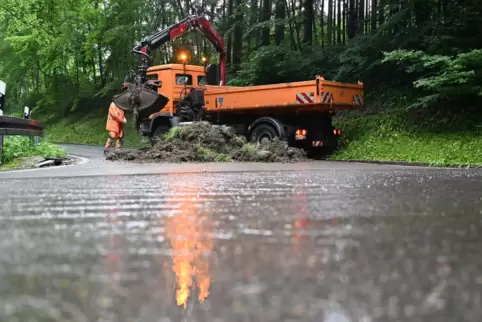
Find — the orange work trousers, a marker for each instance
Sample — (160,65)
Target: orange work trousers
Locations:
(114,136)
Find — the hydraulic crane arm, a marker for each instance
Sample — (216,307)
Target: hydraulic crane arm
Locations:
(156,40)
(141,96)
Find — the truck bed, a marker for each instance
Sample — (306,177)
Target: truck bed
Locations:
(318,94)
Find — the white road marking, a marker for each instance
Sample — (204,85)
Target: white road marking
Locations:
(82,161)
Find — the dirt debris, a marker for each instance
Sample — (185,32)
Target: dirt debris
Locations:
(203,142)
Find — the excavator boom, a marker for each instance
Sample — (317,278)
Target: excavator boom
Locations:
(141,96)
(156,40)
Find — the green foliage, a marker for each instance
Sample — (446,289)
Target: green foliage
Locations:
(89,128)
(212,156)
(173,133)
(249,150)
(65,58)
(55,54)
(21,146)
(271,65)
(443,78)
(389,138)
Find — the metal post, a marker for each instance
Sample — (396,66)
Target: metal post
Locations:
(26,115)
(3,91)
(1,148)
(36,139)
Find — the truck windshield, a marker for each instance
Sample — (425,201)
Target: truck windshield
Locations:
(183,79)
(202,80)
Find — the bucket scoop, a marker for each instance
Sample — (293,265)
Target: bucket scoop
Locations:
(141,99)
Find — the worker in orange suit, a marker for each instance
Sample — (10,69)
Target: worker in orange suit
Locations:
(115,124)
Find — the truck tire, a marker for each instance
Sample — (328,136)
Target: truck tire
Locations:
(262,133)
(159,131)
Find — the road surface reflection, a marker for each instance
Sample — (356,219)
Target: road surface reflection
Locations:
(190,235)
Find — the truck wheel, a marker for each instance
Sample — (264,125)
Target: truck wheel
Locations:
(158,133)
(263,133)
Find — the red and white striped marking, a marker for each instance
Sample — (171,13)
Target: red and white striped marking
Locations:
(326,97)
(357,100)
(317,143)
(305,98)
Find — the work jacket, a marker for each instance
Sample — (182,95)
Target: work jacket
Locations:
(114,119)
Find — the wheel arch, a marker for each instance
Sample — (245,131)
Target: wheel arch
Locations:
(277,124)
(162,119)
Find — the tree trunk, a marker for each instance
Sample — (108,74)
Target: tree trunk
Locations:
(351,28)
(330,23)
(308,22)
(381,12)
(322,22)
(252,21)
(345,13)
(296,24)
(230,37)
(374,14)
(361,16)
(338,29)
(266,12)
(280,27)
(238,35)
(290,25)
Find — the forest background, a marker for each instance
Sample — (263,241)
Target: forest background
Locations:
(420,62)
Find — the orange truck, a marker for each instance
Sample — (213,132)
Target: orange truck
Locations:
(166,96)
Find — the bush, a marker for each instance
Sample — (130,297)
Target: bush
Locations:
(389,137)
(443,79)
(274,65)
(21,146)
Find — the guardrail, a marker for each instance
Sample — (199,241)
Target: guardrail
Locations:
(10,125)
(19,126)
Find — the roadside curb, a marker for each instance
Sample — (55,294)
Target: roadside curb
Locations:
(82,160)
(70,157)
(411,164)
(399,163)
(81,144)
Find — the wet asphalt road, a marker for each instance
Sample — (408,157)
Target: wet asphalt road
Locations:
(308,242)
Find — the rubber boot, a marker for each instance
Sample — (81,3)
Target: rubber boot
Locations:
(117,145)
(107,145)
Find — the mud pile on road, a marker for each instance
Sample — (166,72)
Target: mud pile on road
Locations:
(203,142)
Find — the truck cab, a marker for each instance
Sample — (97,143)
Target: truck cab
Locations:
(176,81)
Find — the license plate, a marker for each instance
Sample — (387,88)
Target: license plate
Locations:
(300,137)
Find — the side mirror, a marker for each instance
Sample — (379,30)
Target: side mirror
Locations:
(154,83)
(213,74)
(26,112)
(3,91)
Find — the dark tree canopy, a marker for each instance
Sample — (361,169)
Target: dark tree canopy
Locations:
(58,55)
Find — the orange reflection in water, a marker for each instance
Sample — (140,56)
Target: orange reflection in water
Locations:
(114,243)
(300,222)
(186,231)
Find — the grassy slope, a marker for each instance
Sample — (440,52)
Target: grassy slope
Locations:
(16,147)
(382,136)
(89,129)
(389,138)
